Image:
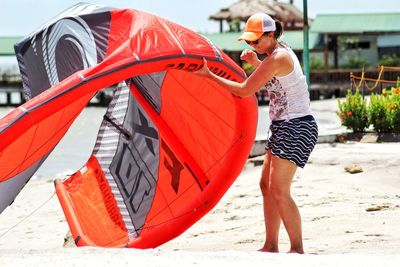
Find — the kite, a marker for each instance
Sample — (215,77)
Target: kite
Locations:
(170,143)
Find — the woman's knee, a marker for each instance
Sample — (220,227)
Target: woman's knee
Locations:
(279,195)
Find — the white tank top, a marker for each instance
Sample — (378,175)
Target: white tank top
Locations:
(288,95)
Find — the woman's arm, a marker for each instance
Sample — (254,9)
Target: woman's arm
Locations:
(268,68)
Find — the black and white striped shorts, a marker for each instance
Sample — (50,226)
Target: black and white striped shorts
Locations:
(293,139)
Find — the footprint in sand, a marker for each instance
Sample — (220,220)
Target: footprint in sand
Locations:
(245,241)
(232,218)
(374,235)
(319,218)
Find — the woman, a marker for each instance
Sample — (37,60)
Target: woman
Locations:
(293,129)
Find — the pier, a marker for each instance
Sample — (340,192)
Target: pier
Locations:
(12,95)
(324,85)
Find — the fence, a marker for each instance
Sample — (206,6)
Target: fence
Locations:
(13,96)
(333,83)
(386,76)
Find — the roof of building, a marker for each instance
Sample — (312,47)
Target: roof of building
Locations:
(243,9)
(356,23)
(7,45)
(228,41)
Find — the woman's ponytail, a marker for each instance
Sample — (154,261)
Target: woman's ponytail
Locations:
(279,29)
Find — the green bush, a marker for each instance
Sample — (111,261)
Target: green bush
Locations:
(248,68)
(355,62)
(394,109)
(379,113)
(316,63)
(353,112)
(382,111)
(390,60)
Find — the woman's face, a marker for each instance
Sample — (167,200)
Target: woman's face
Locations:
(262,44)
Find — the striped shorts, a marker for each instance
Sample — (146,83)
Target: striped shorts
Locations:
(293,139)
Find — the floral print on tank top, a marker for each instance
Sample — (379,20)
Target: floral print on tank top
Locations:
(278,102)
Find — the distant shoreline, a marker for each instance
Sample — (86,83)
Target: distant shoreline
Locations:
(11,84)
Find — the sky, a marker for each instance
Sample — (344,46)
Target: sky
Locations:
(21,17)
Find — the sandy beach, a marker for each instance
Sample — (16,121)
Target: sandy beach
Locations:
(334,204)
(348,219)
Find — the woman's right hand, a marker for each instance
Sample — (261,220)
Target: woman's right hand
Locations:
(204,71)
(250,57)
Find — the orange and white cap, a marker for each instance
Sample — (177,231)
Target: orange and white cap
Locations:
(256,25)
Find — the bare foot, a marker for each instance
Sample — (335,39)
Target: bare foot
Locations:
(271,249)
(298,251)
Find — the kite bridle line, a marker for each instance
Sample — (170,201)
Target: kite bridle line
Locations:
(27,216)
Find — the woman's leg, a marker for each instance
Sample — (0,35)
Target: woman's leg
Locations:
(281,176)
(271,215)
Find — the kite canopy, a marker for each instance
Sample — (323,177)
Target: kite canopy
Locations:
(170,144)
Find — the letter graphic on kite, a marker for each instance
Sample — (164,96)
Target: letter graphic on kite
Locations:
(170,143)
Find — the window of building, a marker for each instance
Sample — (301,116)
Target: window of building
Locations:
(358,45)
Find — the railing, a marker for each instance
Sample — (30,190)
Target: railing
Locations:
(331,78)
(335,83)
(322,84)
(385,76)
(328,84)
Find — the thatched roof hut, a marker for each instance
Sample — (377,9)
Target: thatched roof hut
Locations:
(290,15)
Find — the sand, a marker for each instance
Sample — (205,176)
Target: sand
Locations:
(348,220)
